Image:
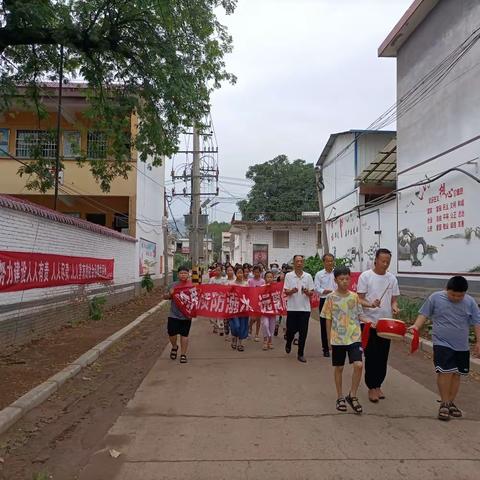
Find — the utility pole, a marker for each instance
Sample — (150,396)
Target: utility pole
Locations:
(323,226)
(195,208)
(165,240)
(59,116)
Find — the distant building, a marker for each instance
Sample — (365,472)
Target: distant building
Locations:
(226,252)
(274,242)
(437,52)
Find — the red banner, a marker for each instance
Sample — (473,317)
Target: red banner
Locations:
(24,270)
(227,301)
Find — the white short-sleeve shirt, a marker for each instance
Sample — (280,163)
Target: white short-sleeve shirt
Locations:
(374,286)
(298,302)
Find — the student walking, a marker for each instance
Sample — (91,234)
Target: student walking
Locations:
(325,284)
(218,279)
(298,287)
(452,313)
(268,322)
(239,325)
(178,324)
(378,288)
(343,313)
(256,281)
(229,280)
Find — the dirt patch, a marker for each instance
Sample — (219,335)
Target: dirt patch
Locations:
(35,362)
(57,438)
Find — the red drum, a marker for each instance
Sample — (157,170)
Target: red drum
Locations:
(391,329)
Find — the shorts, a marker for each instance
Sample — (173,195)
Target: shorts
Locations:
(447,360)
(175,326)
(339,353)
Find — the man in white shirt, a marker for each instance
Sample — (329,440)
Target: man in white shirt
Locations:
(325,284)
(380,288)
(298,286)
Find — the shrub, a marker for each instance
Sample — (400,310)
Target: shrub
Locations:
(147,282)
(315,264)
(96,307)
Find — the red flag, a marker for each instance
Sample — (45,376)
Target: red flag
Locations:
(415,341)
(365,335)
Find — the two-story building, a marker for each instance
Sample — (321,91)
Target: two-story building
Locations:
(134,205)
(358,173)
(437,49)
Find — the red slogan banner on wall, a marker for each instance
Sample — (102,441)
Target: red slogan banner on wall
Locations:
(24,270)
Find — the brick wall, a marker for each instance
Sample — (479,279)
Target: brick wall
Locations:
(27,314)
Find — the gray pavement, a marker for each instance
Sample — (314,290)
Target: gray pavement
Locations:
(264,415)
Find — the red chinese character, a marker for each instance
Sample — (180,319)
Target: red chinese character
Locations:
(429,228)
(445,226)
(461,214)
(438,208)
(453,215)
(445,206)
(429,220)
(461,224)
(461,203)
(453,224)
(439,227)
(439,218)
(429,210)
(442,189)
(445,216)
(453,204)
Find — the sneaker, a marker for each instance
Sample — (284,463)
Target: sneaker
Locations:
(257,339)
(288,347)
(302,359)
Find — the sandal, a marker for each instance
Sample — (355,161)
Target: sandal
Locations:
(183,358)
(265,346)
(173,353)
(240,348)
(354,403)
(270,346)
(444,412)
(341,406)
(234,343)
(454,411)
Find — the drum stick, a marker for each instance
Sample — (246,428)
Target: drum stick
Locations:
(383,294)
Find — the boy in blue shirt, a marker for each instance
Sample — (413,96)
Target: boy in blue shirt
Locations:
(452,313)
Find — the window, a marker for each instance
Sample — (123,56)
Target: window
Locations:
(71,144)
(35,143)
(319,239)
(96,145)
(281,239)
(98,218)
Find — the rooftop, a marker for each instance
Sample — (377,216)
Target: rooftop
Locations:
(331,140)
(413,17)
(20,205)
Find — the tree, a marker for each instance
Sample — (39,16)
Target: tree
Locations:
(281,190)
(215,230)
(158,58)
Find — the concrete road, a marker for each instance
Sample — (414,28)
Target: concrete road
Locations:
(264,415)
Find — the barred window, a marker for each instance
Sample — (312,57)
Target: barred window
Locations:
(35,143)
(281,239)
(96,145)
(71,144)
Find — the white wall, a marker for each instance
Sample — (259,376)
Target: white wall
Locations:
(150,210)
(301,241)
(438,134)
(30,233)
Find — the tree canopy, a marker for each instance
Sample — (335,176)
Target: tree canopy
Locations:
(215,230)
(281,190)
(158,58)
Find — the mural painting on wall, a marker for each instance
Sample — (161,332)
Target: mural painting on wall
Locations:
(147,256)
(343,235)
(440,228)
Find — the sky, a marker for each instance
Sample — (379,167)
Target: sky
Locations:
(305,69)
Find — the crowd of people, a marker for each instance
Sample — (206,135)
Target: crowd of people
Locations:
(343,315)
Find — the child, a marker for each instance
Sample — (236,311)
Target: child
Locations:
(178,323)
(229,280)
(452,312)
(239,325)
(268,322)
(343,313)
(218,279)
(256,281)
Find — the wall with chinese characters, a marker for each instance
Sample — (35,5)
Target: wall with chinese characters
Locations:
(439,222)
(26,314)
